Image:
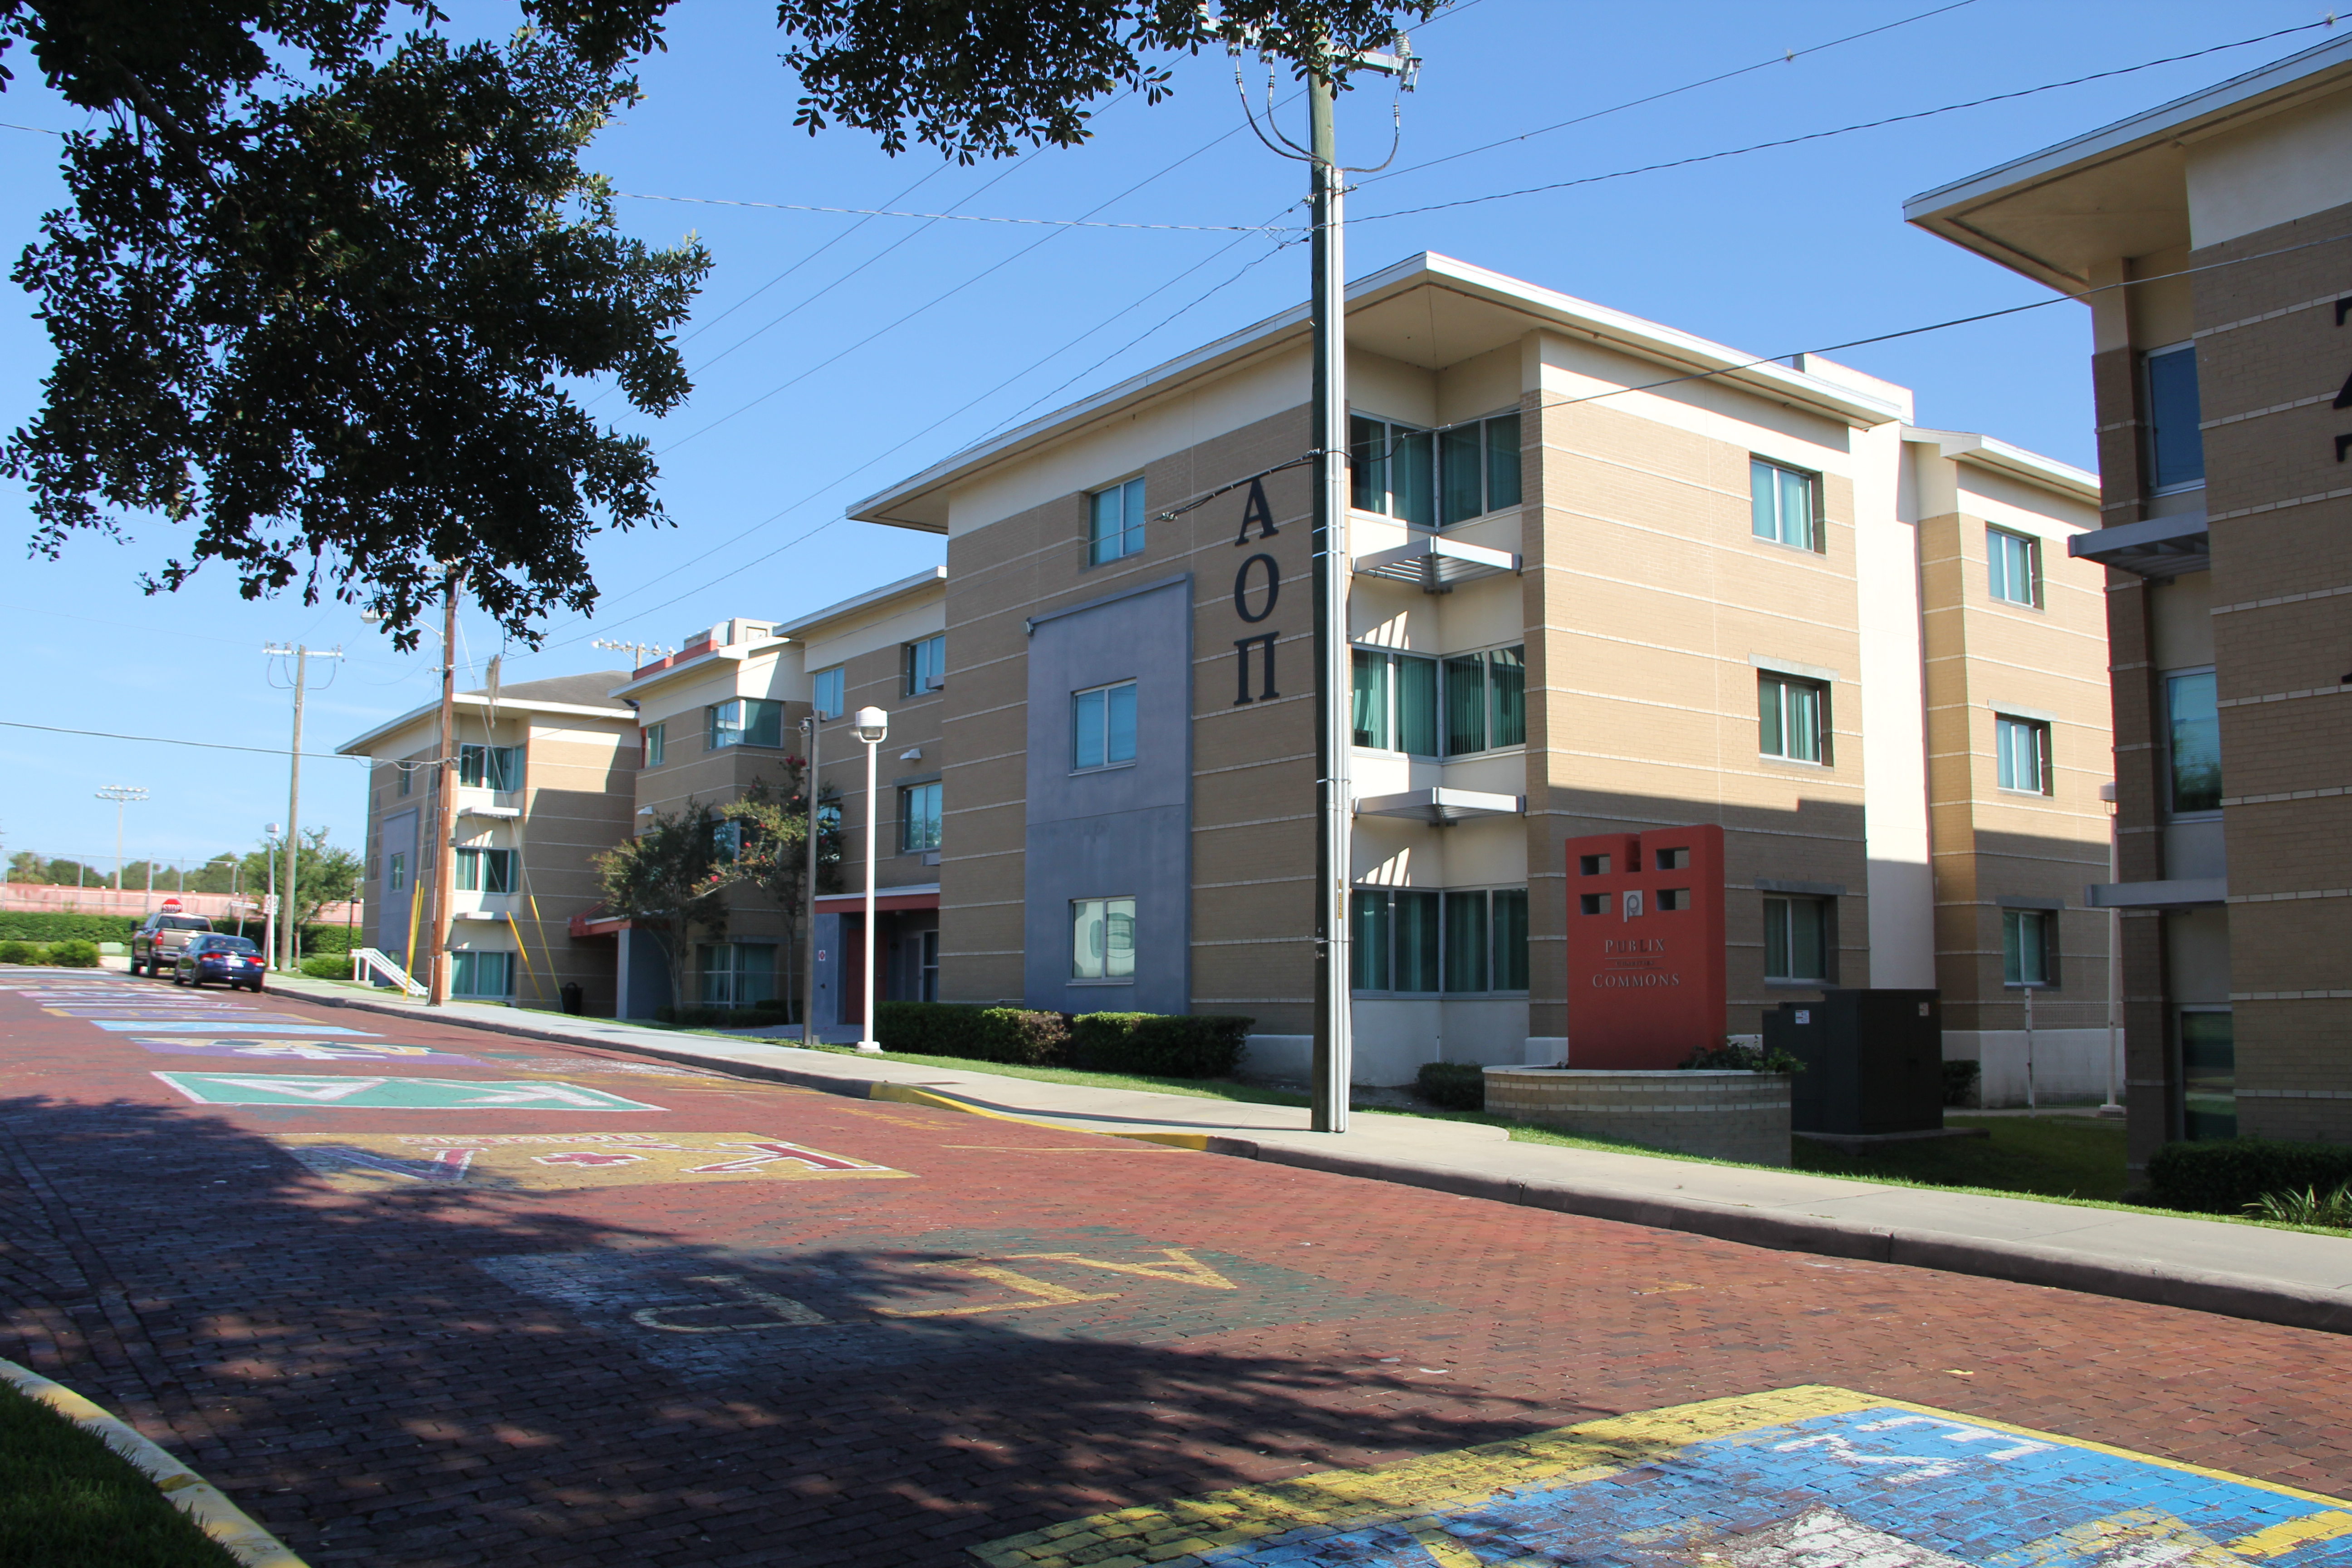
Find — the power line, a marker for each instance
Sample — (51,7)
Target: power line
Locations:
(1788,56)
(948,217)
(168,740)
(1839,131)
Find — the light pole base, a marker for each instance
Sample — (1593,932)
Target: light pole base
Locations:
(2112,1113)
(873,1047)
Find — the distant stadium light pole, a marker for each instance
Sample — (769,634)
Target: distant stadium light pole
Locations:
(121,794)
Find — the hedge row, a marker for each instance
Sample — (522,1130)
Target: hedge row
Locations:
(71,953)
(29,925)
(2226,1177)
(1150,1043)
(754,1016)
(1456,1086)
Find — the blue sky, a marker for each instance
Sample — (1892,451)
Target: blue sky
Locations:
(834,354)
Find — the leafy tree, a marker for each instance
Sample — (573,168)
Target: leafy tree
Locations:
(221,874)
(27,868)
(323,875)
(323,295)
(670,882)
(771,819)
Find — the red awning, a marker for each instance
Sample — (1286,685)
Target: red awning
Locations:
(885,899)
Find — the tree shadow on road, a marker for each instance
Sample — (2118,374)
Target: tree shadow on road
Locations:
(437,1375)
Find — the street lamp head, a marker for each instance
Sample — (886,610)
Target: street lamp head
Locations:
(872,726)
(270,828)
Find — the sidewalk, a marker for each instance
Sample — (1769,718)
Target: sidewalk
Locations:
(2246,1271)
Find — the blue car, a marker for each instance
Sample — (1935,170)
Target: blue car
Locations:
(233,959)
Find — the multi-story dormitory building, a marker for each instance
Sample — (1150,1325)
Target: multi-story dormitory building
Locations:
(1608,577)
(2211,238)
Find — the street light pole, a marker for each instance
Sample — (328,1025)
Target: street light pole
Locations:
(872,727)
(808,895)
(445,813)
(269,905)
(121,794)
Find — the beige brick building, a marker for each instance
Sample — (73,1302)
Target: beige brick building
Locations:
(1607,578)
(545,780)
(2211,238)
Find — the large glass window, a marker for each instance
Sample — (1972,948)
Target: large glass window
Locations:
(1395,706)
(2194,738)
(918,818)
(1115,522)
(746,721)
(1796,939)
(2208,1075)
(2021,754)
(1434,478)
(1102,726)
(738,973)
(655,744)
(487,871)
(481,973)
(395,871)
(1102,939)
(828,689)
(1413,940)
(2029,947)
(1784,504)
(2013,566)
(2176,447)
(926,665)
(1791,715)
(491,767)
(1368,710)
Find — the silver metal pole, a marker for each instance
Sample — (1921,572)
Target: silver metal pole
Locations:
(2115,969)
(294,809)
(808,895)
(866,1040)
(2030,1104)
(1334,1058)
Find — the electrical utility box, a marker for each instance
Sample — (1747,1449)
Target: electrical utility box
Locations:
(1874,1060)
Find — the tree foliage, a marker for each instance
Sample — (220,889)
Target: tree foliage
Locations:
(670,882)
(772,822)
(323,874)
(319,295)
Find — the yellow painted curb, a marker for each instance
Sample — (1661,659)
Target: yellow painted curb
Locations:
(228,1525)
(904,1095)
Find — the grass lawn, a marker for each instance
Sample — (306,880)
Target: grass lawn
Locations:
(2045,1156)
(67,1500)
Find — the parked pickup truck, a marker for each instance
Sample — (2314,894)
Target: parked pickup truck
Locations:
(155,945)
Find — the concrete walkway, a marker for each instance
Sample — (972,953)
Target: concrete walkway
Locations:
(2248,1272)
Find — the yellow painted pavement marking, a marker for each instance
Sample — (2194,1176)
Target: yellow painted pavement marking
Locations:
(2281,1538)
(1444,1551)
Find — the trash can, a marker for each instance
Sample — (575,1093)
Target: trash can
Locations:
(570,995)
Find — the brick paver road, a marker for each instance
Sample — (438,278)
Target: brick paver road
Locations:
(543,1305)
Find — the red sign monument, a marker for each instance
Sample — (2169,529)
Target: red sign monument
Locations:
(1645,973)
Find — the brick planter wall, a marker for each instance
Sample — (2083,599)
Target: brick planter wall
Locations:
(1723,1115)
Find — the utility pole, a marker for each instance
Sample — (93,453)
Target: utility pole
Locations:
(444,812)
(808,896)
(121,794)
(635,650)
(301,657)
(1334,1061)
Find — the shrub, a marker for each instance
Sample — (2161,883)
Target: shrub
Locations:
(330,940)
(1732,1056)
(1960,1082)
(752,1015)
(73,954)
(2227,1177)
(2308,1206)
(1157,1045)
(973,1033)
(1456,1086)
(29,925)
(15,952)
(327,966)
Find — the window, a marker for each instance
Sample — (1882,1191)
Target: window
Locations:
(2013,566)
(2194,738)
(746,721)
(1102,939)
(1791,718)
(2021,754)
(1784,504)
(655,739)
(827,688)
(1115,522)
(1102,726)
(487,871)
(1796,939)
(738,973)
(1395,706)
(1395,703)
(2029,947)
(395,871)
(727,841)
(491,767)
(406,782)
(926,665)
(1434,478)
(2176,447)
(481,973)
(1409,941)
(918,818)
(926,958)
(2208,1074)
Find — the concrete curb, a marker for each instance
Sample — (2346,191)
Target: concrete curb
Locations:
(229,1526)
(2024,1263)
